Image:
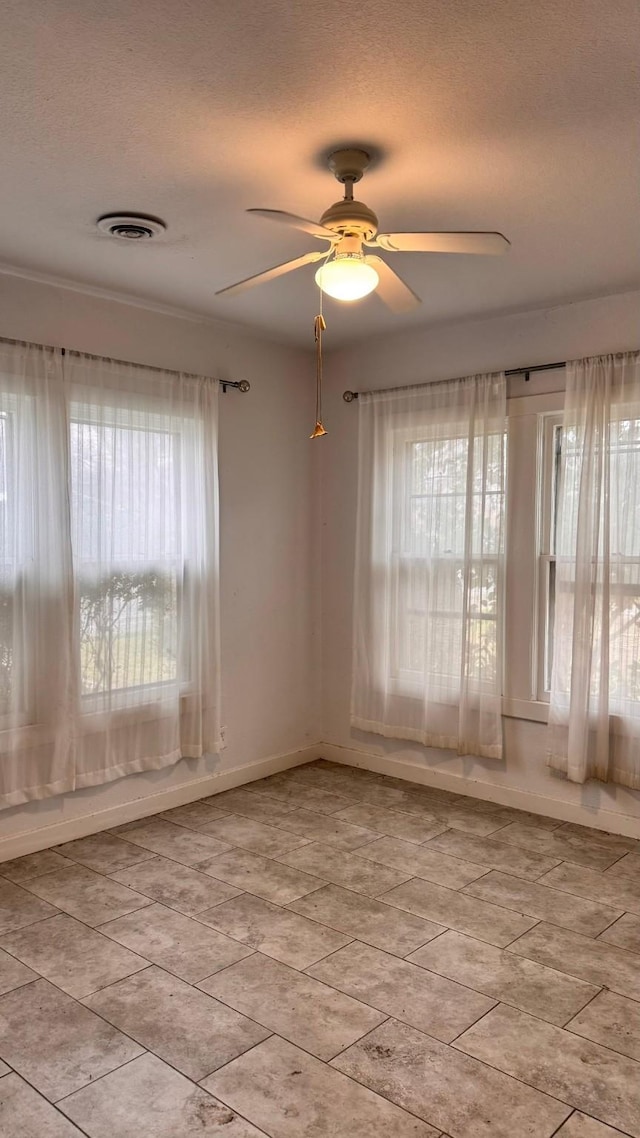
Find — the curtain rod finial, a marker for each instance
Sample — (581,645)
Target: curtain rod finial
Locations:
(349,396)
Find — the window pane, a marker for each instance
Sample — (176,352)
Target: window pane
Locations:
(125,482)
(617,589)
(440,529)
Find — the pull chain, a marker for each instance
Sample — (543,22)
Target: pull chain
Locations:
(319,326)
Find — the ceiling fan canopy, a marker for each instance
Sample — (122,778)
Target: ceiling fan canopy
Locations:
(350,227)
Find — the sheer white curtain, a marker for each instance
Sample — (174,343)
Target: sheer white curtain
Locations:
(109,659)
(429,575)
(594,718)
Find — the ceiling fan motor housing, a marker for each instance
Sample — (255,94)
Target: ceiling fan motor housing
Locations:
(351,217)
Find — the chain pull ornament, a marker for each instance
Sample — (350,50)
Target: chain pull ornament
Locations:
(319,326)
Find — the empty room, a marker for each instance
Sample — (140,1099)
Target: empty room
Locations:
(319,569)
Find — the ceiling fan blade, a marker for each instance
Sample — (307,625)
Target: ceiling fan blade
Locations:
(291,219)
(392,290)
(486,243)
(271,274)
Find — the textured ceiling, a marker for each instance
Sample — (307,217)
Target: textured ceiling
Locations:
(516,115)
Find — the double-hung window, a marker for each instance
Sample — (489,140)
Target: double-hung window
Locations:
(446,601)
(430,564)
(108,570)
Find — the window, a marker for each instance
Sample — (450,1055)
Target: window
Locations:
(548,489)
(559,542)
(125,478)
(430,558)
(429,565)
(529,555)
(9,576)
(108,570)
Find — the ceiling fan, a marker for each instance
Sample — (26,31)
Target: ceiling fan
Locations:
(348,273)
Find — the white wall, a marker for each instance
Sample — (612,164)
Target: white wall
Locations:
(269,565)
(581,329)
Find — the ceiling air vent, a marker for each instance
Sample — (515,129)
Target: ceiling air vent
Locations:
(130,226)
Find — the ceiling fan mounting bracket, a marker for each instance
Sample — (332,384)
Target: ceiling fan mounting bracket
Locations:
(349,217)
(349,165)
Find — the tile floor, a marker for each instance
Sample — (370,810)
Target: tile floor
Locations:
(327,953)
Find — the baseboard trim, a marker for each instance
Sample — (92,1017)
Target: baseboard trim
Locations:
(614,823)
(30,841)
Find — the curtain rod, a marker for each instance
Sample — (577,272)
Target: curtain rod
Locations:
(242,385)
(349,396)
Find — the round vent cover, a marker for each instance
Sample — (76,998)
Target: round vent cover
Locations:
(130,226)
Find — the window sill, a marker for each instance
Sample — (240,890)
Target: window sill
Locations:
(535,710)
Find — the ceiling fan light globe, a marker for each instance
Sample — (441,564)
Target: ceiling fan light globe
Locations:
(347,278)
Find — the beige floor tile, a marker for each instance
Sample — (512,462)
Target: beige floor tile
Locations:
(455,1093)
(105,853)
(251,805)
(292,1095)
(260,875)
(25,1114)
(627,868)
(176,842)
(276,932)
(32,865)
(580,1126)
(294,1005)
(408,827)
(612,841)
(336,778)
(612,1020)
(494,854)
(405,798)
(86,895)
(194,814)
(148,1099)
(542,902)
(188,1029)
(4,1070)
(466,818)
(508,814)
(303,797)
(366,919)
(177,886)
(185,947)
(625,933)
(589,1077)
(619,892)
(327,828)
(347,869)
(565,847)
(403,990)
(55,1043)
(269,841)
(590,960)
(19,908)
(543,992)
(13,974)
(457,911)
(73,957)
(423,862)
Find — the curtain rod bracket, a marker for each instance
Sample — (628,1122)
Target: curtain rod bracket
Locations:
(242,385)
